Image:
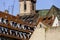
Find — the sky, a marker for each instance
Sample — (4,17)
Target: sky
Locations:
(41,4)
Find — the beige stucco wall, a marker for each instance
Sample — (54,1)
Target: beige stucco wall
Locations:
(56,22)
(39,34)
(52,33)
(28,6)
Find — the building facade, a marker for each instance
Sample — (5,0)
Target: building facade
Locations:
(30,24)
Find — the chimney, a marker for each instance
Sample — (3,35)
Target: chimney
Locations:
(6,11)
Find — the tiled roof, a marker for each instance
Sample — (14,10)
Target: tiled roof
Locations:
(49,12)
(42,12)
(54,11)
(48,21)
(31,19)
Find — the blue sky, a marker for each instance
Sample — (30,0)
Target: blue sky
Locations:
(41,4)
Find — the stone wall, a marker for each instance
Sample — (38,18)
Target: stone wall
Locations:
(28,8)
(53,34)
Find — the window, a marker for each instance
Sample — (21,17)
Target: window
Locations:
(22,26)
(14,24)
(24,4)
(25,27)
(0,20)
(5,21)
(0,38)
(31,29)
(28,35)
(21,35)
(28,28)
(6,30)
(0,29)
(19,26)
(11,23)
(10,32)
(3,30)
(24,34)
(13,33)
(40,26)
(16,32)
(32,6)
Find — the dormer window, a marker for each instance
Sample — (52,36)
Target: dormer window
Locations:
(19,26)
(11,23)
(25,27)
(28,28)
(16,32)
(5,21)
(10,32)
(14,24)
(3,30)
(21,34)
(24,34)
(22,26)
(31,29)
(2,20)
(6,30)
(40,26)
(0,29)
(28,35)
(13,33)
